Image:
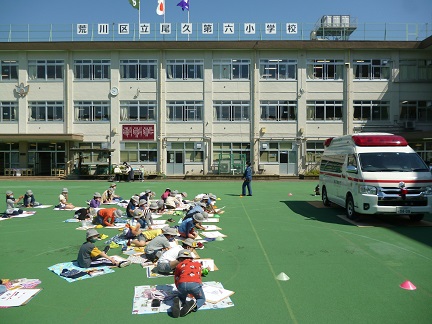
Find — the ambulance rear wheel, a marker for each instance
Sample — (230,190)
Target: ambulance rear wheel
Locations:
(349,208)
(325,200)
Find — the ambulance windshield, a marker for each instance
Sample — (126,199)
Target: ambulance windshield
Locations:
(392,162)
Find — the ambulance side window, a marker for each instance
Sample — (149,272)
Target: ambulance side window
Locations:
(352,164)
(352,160)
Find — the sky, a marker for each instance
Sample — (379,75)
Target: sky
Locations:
(38,12)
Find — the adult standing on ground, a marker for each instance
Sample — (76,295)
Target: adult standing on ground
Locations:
(247,180)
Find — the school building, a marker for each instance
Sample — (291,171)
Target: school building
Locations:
(194,107)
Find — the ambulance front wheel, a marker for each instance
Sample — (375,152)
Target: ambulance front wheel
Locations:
(325,200)
(349,208)
(416,217)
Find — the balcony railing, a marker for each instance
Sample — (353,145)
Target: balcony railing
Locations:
(239,32)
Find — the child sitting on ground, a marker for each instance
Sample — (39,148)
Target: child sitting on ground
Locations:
(145,237)
(85,214)
(107,216)
(10,205)
(159,244)
(96,201)
(133,226)
(107,196)
(187,227)
(168,260)
(90,256)
(30,200)
(63,200)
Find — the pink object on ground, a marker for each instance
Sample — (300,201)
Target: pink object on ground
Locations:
(408,285)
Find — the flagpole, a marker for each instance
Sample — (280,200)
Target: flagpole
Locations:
(139,20)
(188,20)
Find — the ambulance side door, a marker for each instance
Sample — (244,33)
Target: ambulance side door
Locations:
(349,176)
(339,182)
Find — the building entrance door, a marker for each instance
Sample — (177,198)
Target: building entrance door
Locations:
(43,163)
(288,162)
(175,163)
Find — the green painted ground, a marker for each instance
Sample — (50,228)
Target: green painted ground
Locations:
(339,273)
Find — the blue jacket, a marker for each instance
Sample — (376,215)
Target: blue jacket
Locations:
(186,226)
(247,175)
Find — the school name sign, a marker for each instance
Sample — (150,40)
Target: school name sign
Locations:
(187,28)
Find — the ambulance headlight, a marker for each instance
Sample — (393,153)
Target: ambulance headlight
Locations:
(368,190)
(427,190)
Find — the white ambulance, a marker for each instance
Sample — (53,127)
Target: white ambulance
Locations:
(375,173)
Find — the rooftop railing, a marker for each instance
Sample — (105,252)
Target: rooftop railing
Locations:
(214,32)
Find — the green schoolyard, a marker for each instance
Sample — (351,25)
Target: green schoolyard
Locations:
(338,272)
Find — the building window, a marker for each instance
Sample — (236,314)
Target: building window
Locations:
(92,111)
(138,152)
(278,110)
(8,111)
(46,111)
(416,110)
(185,69)
(324,110)
(269,152)
(231,110)
(314,151)
(45,69)
(278,69)
(93,157)
(92,69)
(415,70)
(237,152)
(9,155)
(325,69)
(138,69)
(371,110)
(191,154)
(231,69)
(185,111)
(424,149)
(9,70)
(371,70)
(137,110)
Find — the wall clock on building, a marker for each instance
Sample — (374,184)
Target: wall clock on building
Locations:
(114,91)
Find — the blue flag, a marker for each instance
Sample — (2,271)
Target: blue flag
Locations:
(184,4)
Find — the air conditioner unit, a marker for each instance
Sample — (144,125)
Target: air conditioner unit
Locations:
(224,168)
(198,146)
(264,146)
(409,124)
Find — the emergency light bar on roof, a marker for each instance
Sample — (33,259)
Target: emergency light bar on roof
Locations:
(379,140)
(371,139)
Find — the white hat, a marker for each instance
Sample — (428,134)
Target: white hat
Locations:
(198,217)
(169,230)
(185,254)
(137,213)
(91,232)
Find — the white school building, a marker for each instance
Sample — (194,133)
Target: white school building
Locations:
(196,107)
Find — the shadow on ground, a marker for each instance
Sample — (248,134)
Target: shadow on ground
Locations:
(314,210)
